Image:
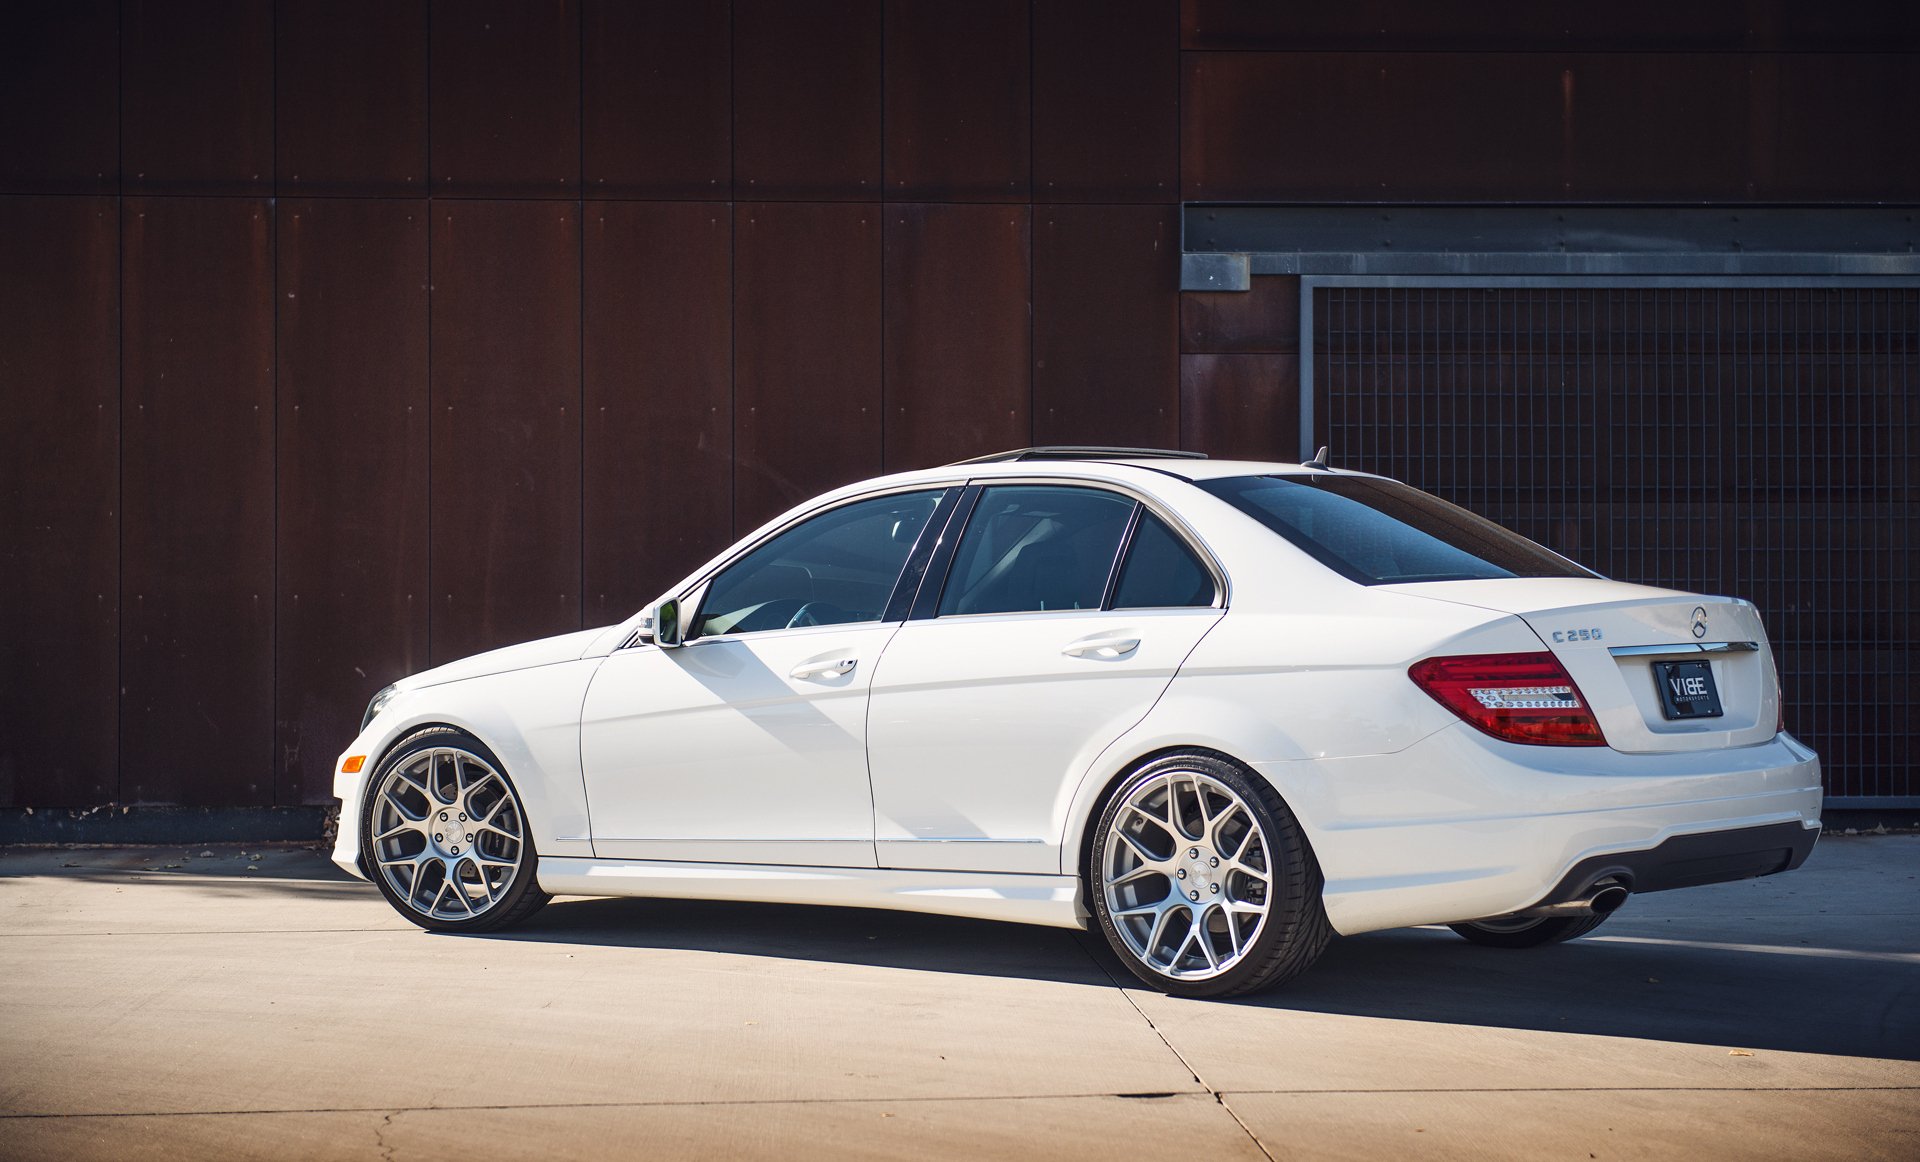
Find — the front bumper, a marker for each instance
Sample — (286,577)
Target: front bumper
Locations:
(351,790)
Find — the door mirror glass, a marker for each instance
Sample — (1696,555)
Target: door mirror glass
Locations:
(666,630)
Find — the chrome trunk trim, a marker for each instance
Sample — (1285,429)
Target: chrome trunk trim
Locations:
(1684,648)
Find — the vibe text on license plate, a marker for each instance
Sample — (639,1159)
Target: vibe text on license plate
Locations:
(1687,690)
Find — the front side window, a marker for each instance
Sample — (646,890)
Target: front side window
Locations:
(1031,548)
(831,569)
(1379,532)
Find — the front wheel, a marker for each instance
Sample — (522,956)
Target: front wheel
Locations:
(446,838)
(1202,880)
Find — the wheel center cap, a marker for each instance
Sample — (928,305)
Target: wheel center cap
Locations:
(1203,876)
(452,832)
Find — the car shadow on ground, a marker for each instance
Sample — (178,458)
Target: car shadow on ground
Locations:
(1785,1000)
(865,936)
(1761,996)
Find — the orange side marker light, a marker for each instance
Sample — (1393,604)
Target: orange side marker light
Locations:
(353,764)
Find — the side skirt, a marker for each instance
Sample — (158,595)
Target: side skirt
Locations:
(1052,900)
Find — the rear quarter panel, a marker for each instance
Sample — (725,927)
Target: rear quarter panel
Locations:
(1295,676)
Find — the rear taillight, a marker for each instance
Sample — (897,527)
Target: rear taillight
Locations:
(1513,697)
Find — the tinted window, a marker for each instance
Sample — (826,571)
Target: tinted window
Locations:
(1378,532)
(1160,570)
(837,567)
(1029,548)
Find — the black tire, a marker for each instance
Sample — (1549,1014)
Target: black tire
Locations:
(1294,931)
(1516,934)
(519,898)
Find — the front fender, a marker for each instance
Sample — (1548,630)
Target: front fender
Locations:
(530,719)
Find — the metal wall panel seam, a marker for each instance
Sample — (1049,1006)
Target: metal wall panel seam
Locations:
(120,420)
(274,766)
(426,591)
(733,273)
(580,293)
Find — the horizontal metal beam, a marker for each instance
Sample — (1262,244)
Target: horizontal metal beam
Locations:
(1556,241)
(1215,272)
(1743,265)
(1622,281)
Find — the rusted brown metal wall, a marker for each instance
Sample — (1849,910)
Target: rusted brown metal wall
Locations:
(339,337)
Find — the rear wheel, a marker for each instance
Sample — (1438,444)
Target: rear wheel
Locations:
(446,838)
(1527,931)
(1202,880)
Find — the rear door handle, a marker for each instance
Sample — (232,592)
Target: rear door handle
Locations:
(1102,647)
(832,668)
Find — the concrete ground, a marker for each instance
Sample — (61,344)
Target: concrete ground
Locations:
(172,1005)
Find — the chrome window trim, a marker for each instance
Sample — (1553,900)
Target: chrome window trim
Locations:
(1088,610)
(1684,648)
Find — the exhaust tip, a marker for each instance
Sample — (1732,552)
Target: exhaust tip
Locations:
(1608,899)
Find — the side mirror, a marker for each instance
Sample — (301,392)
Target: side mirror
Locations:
(667,632)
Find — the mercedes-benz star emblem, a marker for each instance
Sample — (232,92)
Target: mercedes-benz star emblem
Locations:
(1699,621)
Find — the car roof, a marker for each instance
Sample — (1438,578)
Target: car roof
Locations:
(1184,469)
(1143,472)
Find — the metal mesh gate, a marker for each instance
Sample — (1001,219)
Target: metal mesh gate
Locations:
(1757,442)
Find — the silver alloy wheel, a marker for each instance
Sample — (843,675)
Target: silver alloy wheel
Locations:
(1187,875)
(448,833)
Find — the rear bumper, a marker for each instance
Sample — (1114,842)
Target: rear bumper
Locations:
(1688,861)
(1462,827)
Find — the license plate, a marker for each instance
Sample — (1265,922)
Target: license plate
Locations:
(1687,689)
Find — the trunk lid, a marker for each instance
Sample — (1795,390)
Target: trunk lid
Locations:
(1622,642)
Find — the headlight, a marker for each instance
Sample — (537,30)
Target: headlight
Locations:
(378,704)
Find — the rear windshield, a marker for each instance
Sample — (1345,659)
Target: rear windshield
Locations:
(1379,532)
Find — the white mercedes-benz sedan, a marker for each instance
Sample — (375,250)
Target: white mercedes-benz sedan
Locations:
(1221,710)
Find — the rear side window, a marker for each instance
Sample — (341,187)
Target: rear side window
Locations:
(1160,571)
(1379,532)
(1029,548)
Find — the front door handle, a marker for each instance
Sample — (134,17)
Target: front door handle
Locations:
(1102,647)
(831,668)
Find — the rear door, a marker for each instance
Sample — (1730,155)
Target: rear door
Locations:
(1064,613)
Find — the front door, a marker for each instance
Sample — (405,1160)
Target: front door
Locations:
(748,744)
